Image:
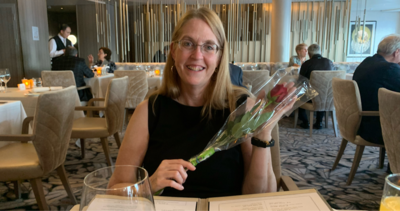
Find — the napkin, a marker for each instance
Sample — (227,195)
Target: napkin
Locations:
(52,88)
(45,89)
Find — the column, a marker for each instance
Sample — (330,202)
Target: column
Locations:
(280,30)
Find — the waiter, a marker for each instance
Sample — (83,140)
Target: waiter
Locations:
(58,43)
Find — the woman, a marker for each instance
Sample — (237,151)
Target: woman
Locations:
(297,61)
(103,58)
(192,104)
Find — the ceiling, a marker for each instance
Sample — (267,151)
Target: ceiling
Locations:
(373,5)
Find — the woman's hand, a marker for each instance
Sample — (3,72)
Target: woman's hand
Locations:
(170,173)
(284,107)
(90,58)
(296,65)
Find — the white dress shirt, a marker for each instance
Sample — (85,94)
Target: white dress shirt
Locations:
(53,47)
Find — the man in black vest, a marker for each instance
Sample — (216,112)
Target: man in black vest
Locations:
(58,43)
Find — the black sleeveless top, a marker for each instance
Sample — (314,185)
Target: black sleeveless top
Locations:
(177,131)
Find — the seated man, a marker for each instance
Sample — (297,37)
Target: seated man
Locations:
(316,62)
(236,74)
(379,71)
(71,62)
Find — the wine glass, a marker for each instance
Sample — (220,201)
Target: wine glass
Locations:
(2,79)
(118,187)
(390,197)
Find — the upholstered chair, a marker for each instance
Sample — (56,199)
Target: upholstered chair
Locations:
(137,88)
(346,98)
(64,78)
(255,78)
(52,126)
(389,112)
(284,182)
(321,81)
(114,107)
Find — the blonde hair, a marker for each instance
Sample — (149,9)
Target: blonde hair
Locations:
(220,93)
(300,46)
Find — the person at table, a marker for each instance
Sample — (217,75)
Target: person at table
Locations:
(177,122)
(379,71)
(316,62)
(70,61)
(103,59)
(297,61)
(161,57)
(58,43)
(236,74)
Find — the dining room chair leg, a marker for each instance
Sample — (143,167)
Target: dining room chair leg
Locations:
(334,123)
(117,139)
(326,119)
(82,148)
(37,188)
(106,149)
(296,117)
(356,162)
(382,152)
(64,179)
(17,189)
(311,121)
(340,153)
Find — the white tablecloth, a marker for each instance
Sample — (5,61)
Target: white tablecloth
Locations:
(349,76)
(12,114)
(99,84)
(29,102)
(154,83)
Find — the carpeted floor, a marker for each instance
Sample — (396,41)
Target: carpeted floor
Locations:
(306,159)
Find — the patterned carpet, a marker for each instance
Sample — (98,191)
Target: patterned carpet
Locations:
(306,159)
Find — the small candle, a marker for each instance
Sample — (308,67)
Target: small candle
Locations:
(98,70)
(157,72)
(26,83)
(32,83)
(21,86)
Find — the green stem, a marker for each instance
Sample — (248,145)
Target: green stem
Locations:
(203,156)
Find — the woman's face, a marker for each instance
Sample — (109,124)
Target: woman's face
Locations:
(101,55)
(302,52)
(195,68)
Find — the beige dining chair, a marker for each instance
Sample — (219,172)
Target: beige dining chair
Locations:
(64,78)
(346,97)
(255,78)
(389,112)
(321,81)
(137,88)
(52,126)
(283,182)
(114,107)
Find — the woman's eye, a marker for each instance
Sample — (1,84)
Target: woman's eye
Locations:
(187,44)
(210,47)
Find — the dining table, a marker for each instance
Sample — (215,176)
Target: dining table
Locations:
(29,100)
(12,115)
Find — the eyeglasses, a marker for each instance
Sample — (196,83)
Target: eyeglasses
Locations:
(207,49)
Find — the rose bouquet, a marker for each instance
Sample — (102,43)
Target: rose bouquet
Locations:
(247,121)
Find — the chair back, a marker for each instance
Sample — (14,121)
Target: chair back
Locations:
(256,78)
(52,126)
(321,81)
(115,103)
(137,86)
(347,101)
(389,112)
(64,78)
(276,155)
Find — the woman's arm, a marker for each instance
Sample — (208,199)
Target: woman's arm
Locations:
(259,176)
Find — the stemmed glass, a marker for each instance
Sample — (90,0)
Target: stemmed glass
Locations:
(5,76)
(117,188)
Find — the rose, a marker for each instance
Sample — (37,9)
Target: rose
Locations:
(278,93)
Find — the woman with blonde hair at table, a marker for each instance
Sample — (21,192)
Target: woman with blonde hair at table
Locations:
(297,61)
(179,120)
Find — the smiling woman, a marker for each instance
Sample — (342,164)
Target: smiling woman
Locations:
(177,122)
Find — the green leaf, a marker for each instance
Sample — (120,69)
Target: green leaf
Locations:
(236,128)
(246,117)
(263,118)
(255,107)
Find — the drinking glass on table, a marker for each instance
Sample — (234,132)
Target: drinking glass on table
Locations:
(391,193)
(117,188)
(4,77)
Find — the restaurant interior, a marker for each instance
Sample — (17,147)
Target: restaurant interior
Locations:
(57,144)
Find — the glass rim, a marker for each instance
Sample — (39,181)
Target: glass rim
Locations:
(109,167)
(391,183)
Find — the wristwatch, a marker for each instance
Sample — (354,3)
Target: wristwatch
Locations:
(264,144)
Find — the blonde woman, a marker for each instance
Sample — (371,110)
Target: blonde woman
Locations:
(297,61)
(192,104)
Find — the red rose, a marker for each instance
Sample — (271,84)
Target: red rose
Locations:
(278,93)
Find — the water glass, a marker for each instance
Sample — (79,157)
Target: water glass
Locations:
(118,188)
(391,193)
